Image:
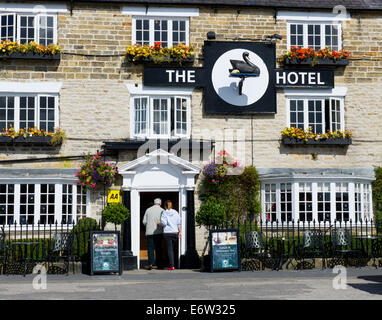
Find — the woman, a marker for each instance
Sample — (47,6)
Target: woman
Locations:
(171,223)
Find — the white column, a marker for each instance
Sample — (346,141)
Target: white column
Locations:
(135,226)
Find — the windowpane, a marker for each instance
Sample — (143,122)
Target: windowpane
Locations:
(47,200)
(178,32)
(27,112)
(296,35)
(331,36)
(160,27)
(7,27)
(286,202)
(335,110)
(140,115)
(7,204)
(67,201)
(296,114)
(314,36)
(142,32)
(27,205)
(27,30)
(270,202)
(6,112)
(315,115)
(46,30)
(181,116)
(305,202)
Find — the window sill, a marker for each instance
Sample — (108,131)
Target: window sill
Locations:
(30,56)
(326,142)
(28,140)
(319,62)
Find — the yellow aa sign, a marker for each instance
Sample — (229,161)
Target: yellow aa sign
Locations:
(113,196)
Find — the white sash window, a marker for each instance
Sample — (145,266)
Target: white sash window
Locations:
(42,203)
(320,110)
(27,27)
(160,116)
(168,30)
(28,111)
(316,201)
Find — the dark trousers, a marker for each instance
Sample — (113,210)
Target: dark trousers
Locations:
(170,239)
(154,243)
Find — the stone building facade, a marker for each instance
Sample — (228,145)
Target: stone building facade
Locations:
(94,90)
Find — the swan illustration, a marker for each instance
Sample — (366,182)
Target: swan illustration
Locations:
(245,66)
(243,69)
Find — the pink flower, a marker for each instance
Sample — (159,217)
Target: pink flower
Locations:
(93,185)
(76,174)
(213,180)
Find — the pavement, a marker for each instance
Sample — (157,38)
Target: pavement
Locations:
(346,284)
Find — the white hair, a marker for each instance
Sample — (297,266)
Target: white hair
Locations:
(157,201)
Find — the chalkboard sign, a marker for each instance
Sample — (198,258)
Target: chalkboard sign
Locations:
(224,250)
(104,252)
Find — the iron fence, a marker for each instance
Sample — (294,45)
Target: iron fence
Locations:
(291,243)
(23,245)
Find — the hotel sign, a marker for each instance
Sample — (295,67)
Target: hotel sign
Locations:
(196,77)
(304,78)
(238,77)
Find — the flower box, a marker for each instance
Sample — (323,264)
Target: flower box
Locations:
(321,62)
(320,142)
(30,56)
(33,140)
(149,60)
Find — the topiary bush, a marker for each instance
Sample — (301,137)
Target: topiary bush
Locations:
(211,214)
(115,213)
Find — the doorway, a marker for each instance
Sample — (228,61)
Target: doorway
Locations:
(146,201)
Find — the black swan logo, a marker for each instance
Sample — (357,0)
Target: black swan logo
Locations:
(243,69)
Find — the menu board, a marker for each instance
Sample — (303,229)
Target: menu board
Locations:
(225,252)
(104,252)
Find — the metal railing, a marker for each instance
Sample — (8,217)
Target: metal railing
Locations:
(365,236)
(35,243)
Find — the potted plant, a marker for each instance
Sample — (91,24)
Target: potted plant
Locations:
(96,172)
(115,213)
(210,214)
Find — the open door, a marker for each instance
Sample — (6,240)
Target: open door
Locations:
(146,201)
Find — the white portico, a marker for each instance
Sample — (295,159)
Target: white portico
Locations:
(157,171)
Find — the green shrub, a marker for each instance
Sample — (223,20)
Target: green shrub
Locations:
(82,235)
(211,214)
(115,213)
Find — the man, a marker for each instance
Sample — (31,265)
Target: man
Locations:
(151,220)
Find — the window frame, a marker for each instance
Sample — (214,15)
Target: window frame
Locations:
(149,113)
(365,201)
(306,99)
(37,96)
(37,203)
(169,28)
(36,24)
(322,32)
